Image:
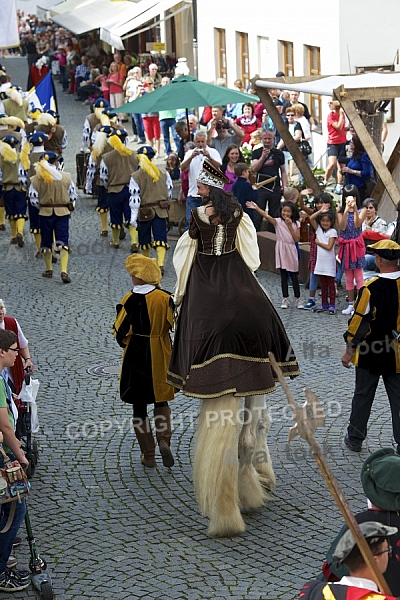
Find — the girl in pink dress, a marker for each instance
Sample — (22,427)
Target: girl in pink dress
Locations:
(287,228)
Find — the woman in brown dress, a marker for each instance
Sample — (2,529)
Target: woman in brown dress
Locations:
(225,330)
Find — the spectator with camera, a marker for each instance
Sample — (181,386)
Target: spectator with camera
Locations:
(193,162)
(223,132)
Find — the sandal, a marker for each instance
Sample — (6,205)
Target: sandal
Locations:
(47,274)
(65,277)
(104,233)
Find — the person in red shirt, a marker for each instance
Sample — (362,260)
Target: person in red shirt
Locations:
(336,141)
(248,121)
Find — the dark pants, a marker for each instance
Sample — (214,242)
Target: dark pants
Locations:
(157,226)
(7,539)
(191,203)
(64,78)
(273,199)
(120,212)
(57,227)
(15,204)
(137,121)
(284,283)
(364,394)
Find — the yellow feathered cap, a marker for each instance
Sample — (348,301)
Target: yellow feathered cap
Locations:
(387,249)
(12,122)
(46,119)
(143,268)
(14,95)
(149,167)
(7,153)
(115,142)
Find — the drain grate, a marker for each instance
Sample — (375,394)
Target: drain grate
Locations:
(110,369)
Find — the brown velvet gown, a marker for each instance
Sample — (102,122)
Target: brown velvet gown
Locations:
(227,324)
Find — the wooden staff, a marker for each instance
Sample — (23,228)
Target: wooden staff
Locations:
(261,183)
(308,417)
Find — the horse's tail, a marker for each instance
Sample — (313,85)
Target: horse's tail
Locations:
(216,465)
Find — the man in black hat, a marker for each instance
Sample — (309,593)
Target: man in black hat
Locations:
(361,575)
(371,345)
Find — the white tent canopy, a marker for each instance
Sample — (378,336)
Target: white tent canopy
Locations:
(324,86)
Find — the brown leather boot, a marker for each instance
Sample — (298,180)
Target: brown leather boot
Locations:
(162,420)
(146,442)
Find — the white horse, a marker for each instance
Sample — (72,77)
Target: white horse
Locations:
(232,471)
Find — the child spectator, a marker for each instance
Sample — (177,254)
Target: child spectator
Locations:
(172,167)
(325,266)
(61,56)
(351,242)
(321,201)
(287,227)
(105,88)
(242,188)
(185,175)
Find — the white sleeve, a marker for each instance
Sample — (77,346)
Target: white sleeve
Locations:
(64,141)
(22,176)
(103,173)
(170,186)
(72,192)
(184,255)
(33,196)
(22,341)
(90,173)
(134,200)
(246,243)
(85,135)
(215,155)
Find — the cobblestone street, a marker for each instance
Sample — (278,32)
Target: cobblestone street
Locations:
(112,530)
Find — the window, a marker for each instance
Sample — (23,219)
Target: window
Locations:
(286,58)
(313,66)
(221,45)
(263,55)
(243,56)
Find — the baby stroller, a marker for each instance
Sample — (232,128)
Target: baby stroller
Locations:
(27,423)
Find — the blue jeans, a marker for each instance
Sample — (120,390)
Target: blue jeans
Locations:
(166,126)
(369,262)
(191,203)
(313,282)
(137,120)
(7,539)
(339,272)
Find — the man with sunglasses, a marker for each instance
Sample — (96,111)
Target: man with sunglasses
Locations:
(10,580)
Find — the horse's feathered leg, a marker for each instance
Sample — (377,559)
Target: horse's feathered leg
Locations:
(215,467)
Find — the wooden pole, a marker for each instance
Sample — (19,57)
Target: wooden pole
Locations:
(391,166)
(288,139)
(306,423)
(376,158)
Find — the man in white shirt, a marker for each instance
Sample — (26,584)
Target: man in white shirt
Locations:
(193,162)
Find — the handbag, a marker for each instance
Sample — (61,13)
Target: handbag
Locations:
(305,147)
(14,484)
(146,213)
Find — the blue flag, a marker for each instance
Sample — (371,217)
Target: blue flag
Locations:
(43,94)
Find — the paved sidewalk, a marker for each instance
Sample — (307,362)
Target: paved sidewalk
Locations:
(108,528)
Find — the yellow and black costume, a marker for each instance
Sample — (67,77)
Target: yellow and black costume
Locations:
(144,320)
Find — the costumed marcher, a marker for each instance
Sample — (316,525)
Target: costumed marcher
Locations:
(371,345)
(57,140)
(15,374)
(15,105)
(10,580)
(94,184)
(13,179)
(144,320)
(220,353)
(150,190)
(7,127)
(34,113)
(360,584)
(115,172)
(37,140)
(380,478)
(54,192)
(92,120)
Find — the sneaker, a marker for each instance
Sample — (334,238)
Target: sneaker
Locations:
(22,574)
(309,305)
(17,542)
(332,310)
(338,189)
(320,309)
(10,582)
(12,562)
(349,310)
(285,303)
(299,303)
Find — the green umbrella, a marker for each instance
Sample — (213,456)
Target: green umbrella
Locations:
(182,92)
